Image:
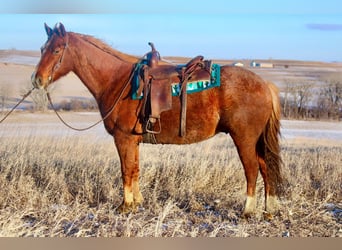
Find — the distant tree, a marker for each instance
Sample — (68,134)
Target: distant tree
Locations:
(5,92)
(285,100)
(330,98)
(297,97)
(39,98)
(2,98)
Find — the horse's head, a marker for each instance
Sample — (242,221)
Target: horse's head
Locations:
(53,63)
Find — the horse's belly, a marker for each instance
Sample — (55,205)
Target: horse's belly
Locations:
(199,127)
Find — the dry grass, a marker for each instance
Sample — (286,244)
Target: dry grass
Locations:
(67,184)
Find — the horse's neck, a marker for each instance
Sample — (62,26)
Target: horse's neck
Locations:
(99,70)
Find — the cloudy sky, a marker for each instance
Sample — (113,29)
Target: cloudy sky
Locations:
(291,29)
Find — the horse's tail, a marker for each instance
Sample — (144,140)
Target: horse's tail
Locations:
(268,144)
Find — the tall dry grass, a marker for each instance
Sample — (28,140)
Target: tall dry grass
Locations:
(62,184)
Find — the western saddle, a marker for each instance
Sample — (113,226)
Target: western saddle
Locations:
(156,79)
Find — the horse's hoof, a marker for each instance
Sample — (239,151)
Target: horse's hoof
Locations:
(130,208)
(247,215)
(126,208)
(268,216)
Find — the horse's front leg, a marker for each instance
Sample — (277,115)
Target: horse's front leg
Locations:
(128,149)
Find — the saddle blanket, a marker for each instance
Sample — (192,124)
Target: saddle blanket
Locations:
(192,87)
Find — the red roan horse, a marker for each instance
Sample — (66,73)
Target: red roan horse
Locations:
(245,106)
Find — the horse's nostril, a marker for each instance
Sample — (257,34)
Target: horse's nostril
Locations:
(36,81)
(33,78)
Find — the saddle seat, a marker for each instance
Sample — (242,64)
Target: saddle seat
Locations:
(157,79)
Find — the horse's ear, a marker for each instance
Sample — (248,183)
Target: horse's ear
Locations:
(48,30)
(60,30)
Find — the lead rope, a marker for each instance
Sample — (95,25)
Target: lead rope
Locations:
(24,97)
(65,123)
(105,117)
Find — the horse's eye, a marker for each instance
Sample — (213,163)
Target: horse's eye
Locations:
(56,51)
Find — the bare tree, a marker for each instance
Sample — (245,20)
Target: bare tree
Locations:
(39,98)
(331,95)
(297,97)
(2,98)
(285,100)
(5,92)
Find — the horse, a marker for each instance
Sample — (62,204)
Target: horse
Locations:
(244,106)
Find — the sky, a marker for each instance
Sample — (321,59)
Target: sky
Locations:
(216,29)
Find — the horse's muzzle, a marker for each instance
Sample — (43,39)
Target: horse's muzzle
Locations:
(38,82)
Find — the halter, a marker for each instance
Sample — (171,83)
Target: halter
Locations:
(58,64)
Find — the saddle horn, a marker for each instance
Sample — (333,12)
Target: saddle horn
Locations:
(152,57)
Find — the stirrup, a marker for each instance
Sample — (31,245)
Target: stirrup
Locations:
(150,123)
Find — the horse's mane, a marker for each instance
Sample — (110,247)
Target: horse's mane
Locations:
(103,46)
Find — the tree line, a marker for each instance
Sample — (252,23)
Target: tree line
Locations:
(319,100)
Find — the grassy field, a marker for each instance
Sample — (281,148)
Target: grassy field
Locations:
(56,182)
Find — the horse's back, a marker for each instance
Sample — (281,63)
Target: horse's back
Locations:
(242,82)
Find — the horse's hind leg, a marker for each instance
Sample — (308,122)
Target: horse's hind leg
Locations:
(271,201)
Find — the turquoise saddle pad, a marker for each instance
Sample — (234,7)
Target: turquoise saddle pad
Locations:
(192,87)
